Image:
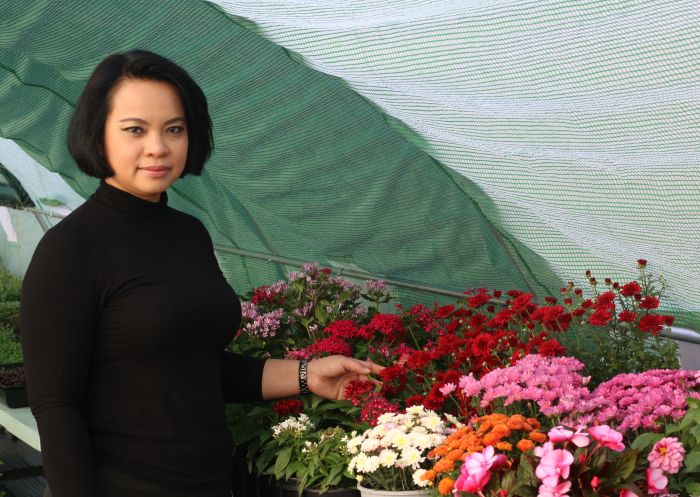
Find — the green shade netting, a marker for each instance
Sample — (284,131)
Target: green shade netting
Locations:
(304,167)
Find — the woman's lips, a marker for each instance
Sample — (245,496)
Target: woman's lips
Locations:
(156,172)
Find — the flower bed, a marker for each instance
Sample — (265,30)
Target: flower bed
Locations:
(549,399)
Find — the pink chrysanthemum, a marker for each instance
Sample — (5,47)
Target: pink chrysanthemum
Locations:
(667,455)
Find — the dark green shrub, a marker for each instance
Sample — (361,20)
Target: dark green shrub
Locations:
(10,346)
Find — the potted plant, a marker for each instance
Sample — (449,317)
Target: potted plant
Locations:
(13,390)
(308,461)
(390,458)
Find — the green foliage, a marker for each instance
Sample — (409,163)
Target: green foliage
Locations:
(315,458)
(614,343)
(10,347)
(10,286)
(9,314)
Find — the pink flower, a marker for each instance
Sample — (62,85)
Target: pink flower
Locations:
(478,462)
(469,385)
(553,465)
(560,434)
(628,493)
(607,437)
(447,389)
(656,481)
(559,491)
(667,455)
(472,482)
(542,450)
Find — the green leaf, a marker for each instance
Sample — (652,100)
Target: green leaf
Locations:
(646,440)
(696,433)
(693,403)
(693,488)
(282,461)
(692,460)
(624,465)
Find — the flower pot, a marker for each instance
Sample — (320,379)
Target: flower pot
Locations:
(13,396)
(369,492)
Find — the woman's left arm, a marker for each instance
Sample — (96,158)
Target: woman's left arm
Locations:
(327,377)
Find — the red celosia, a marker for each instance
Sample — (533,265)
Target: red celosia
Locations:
(285,408)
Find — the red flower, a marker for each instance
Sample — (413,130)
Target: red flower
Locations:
(389,325)
(375,407)
(479,300)
(357,391)
(600,317)
(642,262)
(649,302)
(330,346)
(651,323)
(481,345)
(605,300)
(414,400)
(668,320)
(551,348)
(288,407)
(586,303)
(627,316)
(418,359)
(344,328)
(444,311)
(629,289)
(497,294)
(578,312)
(550,300)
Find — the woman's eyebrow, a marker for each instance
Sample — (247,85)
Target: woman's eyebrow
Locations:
(138,119)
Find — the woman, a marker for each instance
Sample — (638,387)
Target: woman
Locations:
(125,312)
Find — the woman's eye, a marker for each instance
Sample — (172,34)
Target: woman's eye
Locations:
(131,128)
(177,129)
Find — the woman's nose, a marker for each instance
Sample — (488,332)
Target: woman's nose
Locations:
(156,145)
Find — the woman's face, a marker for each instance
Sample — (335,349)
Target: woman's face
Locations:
(145,138)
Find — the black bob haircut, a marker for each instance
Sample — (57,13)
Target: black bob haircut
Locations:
(86,130)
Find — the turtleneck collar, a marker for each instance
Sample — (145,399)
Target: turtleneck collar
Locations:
(131,204)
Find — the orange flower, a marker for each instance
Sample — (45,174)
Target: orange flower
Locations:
(484,427)
(504,446)
(501,430)
(454,455)
(445,486)
(431,454)
(428,475)
(444,466)
(514,424)
(537,436)
(524,445)
(535,424)
(441,450)
(491,439)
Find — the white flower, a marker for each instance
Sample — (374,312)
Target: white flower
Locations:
(369,445)
(372,464)
(418,478)
(358,462)
(454,420)
(432,422)
(417,409)
(411,457)
(387,458)
(400,440)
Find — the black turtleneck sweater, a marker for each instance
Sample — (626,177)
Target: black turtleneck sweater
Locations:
(124,317)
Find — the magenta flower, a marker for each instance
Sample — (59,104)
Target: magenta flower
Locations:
(545,448)
(478,462)
(560,434)
(667,455)
(554,465)
(472,482)
(607,437)
(558,491)
(628,493)
(656,481)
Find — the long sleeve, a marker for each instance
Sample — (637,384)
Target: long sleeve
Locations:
(58,316)
(241,377)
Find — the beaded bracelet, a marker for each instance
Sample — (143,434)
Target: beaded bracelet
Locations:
(303,384)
